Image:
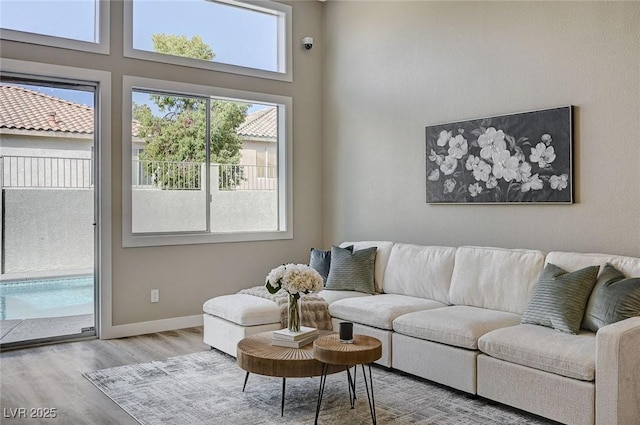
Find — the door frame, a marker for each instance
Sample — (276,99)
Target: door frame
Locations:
(102,172)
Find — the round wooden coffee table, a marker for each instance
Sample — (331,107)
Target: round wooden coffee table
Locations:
(255,354)
(331,352)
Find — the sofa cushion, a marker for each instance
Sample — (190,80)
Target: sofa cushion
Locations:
(615,297)
(495,278)
(560,298)
(572,261)
(573,356)
(382,257)
(379,310)
(460,326)
(352,271)
(243,309)
(332,296)
(420,271)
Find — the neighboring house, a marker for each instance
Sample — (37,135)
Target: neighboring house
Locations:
(36,125)
(46,141)
(259,134)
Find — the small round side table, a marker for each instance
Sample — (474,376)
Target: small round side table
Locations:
(364,351)
(255,354)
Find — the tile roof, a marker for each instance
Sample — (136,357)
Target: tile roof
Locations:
(262,123)
(24,109)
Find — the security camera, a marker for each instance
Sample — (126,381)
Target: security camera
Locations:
(307,42)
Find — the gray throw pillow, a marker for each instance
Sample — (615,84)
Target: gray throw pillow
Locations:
(321,261)
(615,297)
(352,271)
(559,298)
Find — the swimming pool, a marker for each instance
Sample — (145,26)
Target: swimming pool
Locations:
(55,297)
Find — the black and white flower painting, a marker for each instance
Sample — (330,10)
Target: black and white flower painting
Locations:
(518,158)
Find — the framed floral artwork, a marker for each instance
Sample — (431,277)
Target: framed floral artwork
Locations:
(517,158)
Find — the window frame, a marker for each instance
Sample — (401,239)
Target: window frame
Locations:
(101,47)
(285,165)
(285,51)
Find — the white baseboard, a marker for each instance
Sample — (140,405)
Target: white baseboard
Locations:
(141,328)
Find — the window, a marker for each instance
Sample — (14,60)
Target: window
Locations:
(188,174)
(79,24)
(223,35)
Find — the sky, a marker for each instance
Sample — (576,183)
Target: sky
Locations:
(236,35)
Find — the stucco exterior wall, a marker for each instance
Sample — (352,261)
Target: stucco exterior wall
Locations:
(47,229)
(234,211)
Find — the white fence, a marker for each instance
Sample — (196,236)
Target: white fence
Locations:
(170,175)
(51,172)
(46,172)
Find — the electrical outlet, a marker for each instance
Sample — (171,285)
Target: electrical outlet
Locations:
(155,295)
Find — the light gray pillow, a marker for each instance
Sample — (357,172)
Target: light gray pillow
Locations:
(615,297)
(559,298)
(352,271)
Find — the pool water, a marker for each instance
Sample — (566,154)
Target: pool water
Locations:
(33,299)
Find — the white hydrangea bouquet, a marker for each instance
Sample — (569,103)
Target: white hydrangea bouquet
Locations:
(295,279)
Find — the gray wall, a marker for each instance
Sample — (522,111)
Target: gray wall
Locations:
(392,68)
(47,229)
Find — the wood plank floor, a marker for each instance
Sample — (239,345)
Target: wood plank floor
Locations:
(51,376)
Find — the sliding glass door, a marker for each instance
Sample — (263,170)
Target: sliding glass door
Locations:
(47,177)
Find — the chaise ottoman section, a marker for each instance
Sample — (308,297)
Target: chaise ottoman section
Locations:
(230,318)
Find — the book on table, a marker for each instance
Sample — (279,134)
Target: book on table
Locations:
(295,344)
(287,335)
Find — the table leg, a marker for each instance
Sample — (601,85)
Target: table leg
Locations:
(372,401)
(284,386)
(352,385)
(323,379)
(246,378)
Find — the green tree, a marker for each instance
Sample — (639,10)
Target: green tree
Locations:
(175,139)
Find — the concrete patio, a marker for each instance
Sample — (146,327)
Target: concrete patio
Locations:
(34,331)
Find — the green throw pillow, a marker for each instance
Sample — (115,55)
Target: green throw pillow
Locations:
(615,297)
(321,261)
(559,298)
(352,271)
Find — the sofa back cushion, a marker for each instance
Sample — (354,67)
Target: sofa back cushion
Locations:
(571,261)
(420,271)
(495,278)
(382,257)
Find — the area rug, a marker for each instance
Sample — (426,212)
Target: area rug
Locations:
(206,388)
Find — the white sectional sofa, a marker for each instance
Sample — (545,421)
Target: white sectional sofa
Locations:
(453,316)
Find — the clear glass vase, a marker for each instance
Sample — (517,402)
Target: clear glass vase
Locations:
(293,318)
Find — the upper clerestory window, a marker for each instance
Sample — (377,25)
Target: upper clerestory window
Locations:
(77,25)
(247,38)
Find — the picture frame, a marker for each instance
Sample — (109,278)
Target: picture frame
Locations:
(521,158)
